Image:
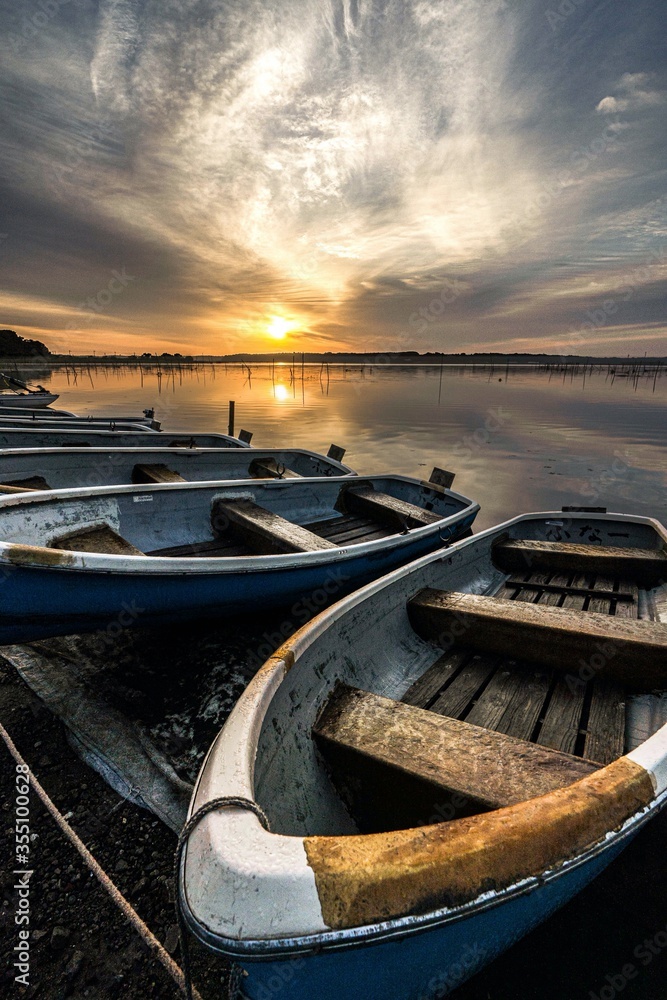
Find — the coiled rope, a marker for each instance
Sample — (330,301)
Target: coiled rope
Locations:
(126,908)
(240,802)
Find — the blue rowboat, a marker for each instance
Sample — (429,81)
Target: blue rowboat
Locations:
(431,767)
(79,560)
(73,437)
(67,468)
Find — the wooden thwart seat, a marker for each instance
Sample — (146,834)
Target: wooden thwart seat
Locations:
(97,538)
(358,729)
(156,473)
(631,651)
(366,501)
(268,468)
(645,566)
(24,485)
(262,530)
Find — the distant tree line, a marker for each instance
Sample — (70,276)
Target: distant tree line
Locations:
(13,346)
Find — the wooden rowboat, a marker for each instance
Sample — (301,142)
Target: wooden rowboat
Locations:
(80,560)
(65,468)
(442,760)
(86,437)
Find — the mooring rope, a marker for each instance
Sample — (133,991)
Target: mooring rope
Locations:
(240,802)
(126,908)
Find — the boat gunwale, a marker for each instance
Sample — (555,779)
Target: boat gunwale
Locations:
(256,452)
(24,555)
(260,949)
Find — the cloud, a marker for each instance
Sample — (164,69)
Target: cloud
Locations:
(632,95)
(339,161)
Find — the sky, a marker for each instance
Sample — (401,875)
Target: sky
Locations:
(245,175)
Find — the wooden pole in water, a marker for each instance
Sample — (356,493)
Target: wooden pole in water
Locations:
(230,425)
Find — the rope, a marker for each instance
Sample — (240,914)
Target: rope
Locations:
(240,802)
(128,911)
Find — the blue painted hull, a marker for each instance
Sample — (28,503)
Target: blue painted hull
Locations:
(426,964)
(39,602)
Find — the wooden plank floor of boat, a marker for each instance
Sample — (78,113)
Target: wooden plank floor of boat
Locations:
(579,712)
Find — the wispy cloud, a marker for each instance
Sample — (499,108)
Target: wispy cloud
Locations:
(334,161)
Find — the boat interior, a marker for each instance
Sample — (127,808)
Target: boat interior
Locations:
(294,516)
(484,727)
(68,468)
(520,688)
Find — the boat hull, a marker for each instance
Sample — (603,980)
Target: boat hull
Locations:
(32,401)
(426,964)
(39,602)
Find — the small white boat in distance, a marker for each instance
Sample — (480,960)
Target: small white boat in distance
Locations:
(14,392)
(431,767)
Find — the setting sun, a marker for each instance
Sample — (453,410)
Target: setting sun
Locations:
(279,327)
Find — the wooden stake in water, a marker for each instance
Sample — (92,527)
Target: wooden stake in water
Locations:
(230,425)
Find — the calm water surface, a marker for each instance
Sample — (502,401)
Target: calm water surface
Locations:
(518,440)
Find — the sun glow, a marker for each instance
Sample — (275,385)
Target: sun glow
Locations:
(281,393)
(278,327)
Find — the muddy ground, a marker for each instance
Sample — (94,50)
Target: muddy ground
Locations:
(608,942)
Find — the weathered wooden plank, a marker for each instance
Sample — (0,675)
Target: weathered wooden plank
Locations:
(268,468)
(431,682)
(155,473)
(488,768)
(562,719)
(524,709)
(605,730)
(99,538)
(596,592)
(457,696)
(553,595)
(646,566)
(216,547)
(623,609)
(366,531)
(264,531)
(604,593)
(633,651)
(366,501)
(488,710)
(572,599)
(24,485)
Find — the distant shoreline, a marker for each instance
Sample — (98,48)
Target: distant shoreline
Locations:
(387,358)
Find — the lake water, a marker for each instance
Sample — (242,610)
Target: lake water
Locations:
(517,439)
